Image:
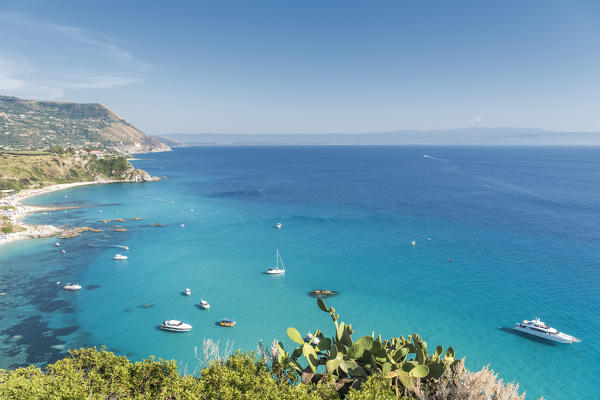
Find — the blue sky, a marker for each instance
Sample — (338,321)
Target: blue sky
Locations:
(311,67)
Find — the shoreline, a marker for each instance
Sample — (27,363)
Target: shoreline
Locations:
(20,211)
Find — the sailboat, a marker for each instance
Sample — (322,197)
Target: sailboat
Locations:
(277,269)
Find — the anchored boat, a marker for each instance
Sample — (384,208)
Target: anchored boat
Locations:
(277,269)
(229,322)
(72,286)
(540,329)
(204,304)
(174,325)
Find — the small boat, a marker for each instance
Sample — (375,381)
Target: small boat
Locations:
(277,269)
(311,339)
(174,325)
(204,304)
(57,244)
(72,286)
(123,247)
(540,329)
(63,251)
(413,243)
(188,291)
(100,211)
(119,257)
(278,225)
(426,156)
(230,322)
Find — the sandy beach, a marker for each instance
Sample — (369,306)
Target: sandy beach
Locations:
(13,208)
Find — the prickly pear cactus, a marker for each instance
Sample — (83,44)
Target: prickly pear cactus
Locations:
(403,362)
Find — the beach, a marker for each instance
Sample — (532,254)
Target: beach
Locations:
(11,206)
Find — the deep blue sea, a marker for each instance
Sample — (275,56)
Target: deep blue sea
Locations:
(521,227)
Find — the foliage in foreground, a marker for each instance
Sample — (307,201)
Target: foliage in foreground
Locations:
(368,369)
(404,365)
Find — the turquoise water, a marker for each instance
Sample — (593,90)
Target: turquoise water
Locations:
(521,226)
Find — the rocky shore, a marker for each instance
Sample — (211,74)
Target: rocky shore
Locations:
(12,210)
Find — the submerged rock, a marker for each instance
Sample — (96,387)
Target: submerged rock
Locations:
(322,293)
(74,232)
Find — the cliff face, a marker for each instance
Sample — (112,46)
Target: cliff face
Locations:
(32,124)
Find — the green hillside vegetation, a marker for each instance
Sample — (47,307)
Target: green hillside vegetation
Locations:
(398,369)
(19,172)
(31,125)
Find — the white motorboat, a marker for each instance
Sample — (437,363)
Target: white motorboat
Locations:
(120,257)
(188,292)
(63,251)
(277,269)
(72,286)
(57,244)
(174,325)
(204,304)
(278,225)
(540,329)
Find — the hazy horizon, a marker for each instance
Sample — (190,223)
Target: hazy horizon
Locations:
(467,136)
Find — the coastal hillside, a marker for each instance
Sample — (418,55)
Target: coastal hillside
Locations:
(20,171)
(32,124)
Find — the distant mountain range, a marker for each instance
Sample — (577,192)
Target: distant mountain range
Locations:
(464,137)
(32,124)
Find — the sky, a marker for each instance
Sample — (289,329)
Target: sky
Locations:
(311,66)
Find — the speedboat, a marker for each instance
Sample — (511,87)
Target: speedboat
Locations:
(278,225)
(204,304)
(72,286)
(188,291)
(174,325)
(63,251)
(57,244)
(277,269)
(540,329)
(120,257)
(230,322)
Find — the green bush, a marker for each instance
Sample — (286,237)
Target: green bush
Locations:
(268,375)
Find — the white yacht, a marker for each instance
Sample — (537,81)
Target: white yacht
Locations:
(277,269)
(72,286)
(57,244)
(175,326)
(204,304)
(278,225)
(188,292)
(63,251)
(120,257)
(540,329)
